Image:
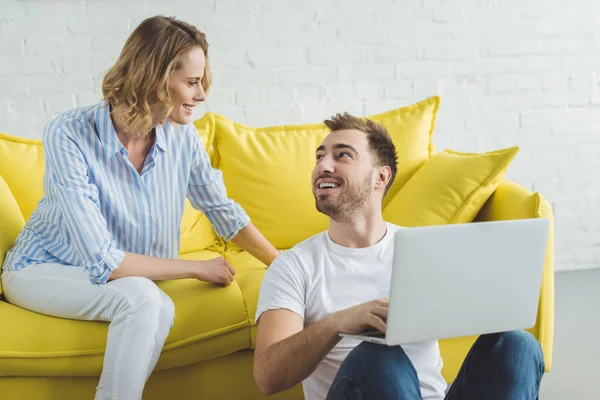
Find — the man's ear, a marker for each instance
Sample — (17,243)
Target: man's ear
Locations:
(383,177)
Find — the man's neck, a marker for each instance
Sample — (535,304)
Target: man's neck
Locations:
(363,231)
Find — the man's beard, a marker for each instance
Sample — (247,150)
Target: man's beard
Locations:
(347,204)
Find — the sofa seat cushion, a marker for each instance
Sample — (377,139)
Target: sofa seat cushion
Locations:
(210,321)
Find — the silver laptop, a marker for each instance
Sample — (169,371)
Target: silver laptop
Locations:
(464,279)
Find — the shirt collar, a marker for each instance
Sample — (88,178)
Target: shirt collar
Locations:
(108,135)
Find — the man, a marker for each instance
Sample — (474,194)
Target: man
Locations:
(339,281)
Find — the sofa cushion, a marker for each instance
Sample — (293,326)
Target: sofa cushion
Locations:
(22,168)
(210,321)
(450,188)
(11,221)
(276,189)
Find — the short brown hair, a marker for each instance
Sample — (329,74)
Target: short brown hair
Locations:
(380,142)
(140,77)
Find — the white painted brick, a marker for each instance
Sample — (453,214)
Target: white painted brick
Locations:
(486,29)
(108,44)
(364,36)
(398,89)
(282,5)
(48,85)
(451,51)
(336,55)
(277,19)
(424,88)
(307,36)
(337,92)
(512,47)
(581,62)
(74,65)
(377,3)
(107,9)
(101,64)
(25,105)
(269,116)
(13,86)
(423,69)
(60,7)
(239,78)
(418,32)
(391,54)
(582,82)
(249,97)
(87,97)
(276,96)
(369,91)
(89,26)
(11,46)
(465,143)
(448,14)
(310,95)
(380,106)
(228,59)
(566,45)
(237,40)
(315,113)
(26,66)
(280,57)
(59,103)
(222,97)
(404,12)
(339,17)
(38,25)
(549,119)
(502,84)
(11,9)
(310,75)
(209,20)
(505,121)
(58,46)
(368,72)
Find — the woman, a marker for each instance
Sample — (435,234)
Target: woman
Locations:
(117,175)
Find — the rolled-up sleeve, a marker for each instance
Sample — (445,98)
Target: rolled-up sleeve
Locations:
(77,201)
(207,193)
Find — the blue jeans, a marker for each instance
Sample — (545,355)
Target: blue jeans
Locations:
(503,366)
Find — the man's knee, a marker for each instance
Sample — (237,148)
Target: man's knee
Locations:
(379,371)
(515,349)
(381,359)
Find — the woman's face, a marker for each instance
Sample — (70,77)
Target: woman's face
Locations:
(186,88)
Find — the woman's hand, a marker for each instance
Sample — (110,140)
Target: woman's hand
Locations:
(216,271)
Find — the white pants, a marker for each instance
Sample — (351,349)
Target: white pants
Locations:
(140,316)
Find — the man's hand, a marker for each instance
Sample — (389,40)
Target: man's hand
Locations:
(216,271)
(362,317)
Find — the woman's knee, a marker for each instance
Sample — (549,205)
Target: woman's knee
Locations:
(146,302)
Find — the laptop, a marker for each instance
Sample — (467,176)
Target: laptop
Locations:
(463,279)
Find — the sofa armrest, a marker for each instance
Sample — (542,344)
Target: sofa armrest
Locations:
(513,201)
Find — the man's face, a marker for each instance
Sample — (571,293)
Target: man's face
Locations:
(344,174)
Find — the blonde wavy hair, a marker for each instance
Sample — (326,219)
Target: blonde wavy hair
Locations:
(139,80)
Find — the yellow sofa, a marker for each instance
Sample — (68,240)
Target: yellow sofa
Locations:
(208,354)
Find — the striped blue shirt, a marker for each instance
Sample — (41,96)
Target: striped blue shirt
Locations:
(96,206)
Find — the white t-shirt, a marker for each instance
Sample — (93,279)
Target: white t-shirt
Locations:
(319,277)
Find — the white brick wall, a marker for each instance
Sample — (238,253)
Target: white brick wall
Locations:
(511,72)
